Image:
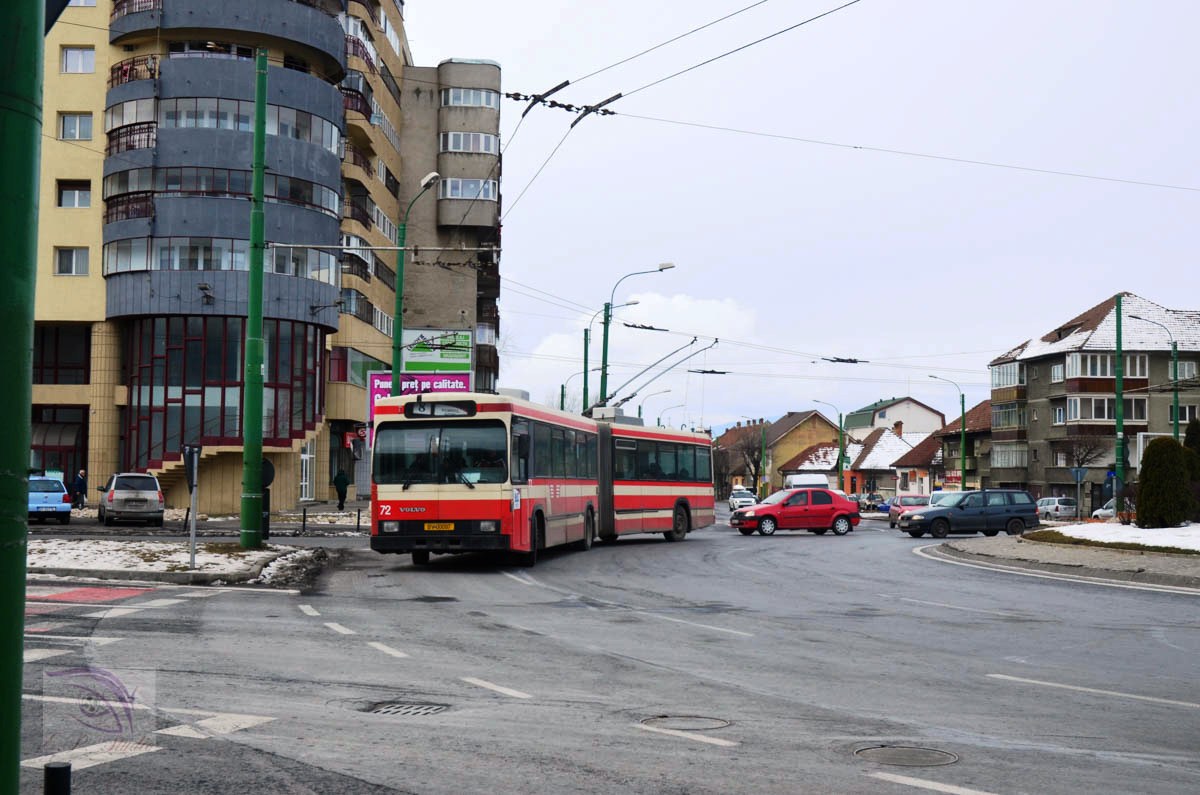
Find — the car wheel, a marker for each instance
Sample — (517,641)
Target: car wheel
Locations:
(940,528)
(679,525)
(1015,527)
(420,557)
(916,533)
(1046,515)
(746,530)
(64,519)
(841,526)
(767,527)
(108,520)
(158,522)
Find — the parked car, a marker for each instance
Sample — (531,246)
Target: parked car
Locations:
(48,498)
(905,502)
(813,509)
(741,498)
(131,496)
(988,512)
(870,501)
(883,506)
(1107,511)
(1057,508)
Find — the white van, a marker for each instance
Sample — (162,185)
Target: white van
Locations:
(805,479)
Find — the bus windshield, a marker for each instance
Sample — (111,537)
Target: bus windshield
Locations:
(462,451)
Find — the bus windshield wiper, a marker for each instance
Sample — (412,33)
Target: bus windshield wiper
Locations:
(463,477)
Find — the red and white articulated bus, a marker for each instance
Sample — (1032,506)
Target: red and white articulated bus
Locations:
(462,472)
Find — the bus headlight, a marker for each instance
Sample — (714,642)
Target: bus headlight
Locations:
(389,527)
(489,526)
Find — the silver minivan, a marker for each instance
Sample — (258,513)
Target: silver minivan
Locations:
(1057,508)
(131,496)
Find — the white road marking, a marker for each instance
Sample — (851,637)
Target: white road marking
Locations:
(700,738)
(1077,688)
(45,626)
(91,755)
(922,783)
(521,580)
(96,639)
(956,607)
(202,594)
(920,551)
(336,627)
(224,723)
(1160,634)
(113,612)
(507,691)
(386,649)
(70,604)
(157,603)
(33,655)
(702,626)
(309,610)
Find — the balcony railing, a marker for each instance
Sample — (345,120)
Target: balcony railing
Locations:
(142,135)
(357,211)
(355,47)
(384,274)
(123,7)
(129,205)
(353,100)
(359,307)
(354,266)
(143,67)
(358,157)
(369,7)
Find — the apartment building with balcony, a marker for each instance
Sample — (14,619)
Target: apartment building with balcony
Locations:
(144,236)
(1053,400)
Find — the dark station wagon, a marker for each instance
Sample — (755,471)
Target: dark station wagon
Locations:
(988,511)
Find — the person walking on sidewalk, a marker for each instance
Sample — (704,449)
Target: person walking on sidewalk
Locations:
(79,490)
(340,484)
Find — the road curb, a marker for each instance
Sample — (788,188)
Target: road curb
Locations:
(1081,569)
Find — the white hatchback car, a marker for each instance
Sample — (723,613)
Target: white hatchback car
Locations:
(1106,512)
(741,498)
(1057,508)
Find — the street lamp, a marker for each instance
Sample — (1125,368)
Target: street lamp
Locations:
(562,397)
(587,343)
(841,445)
(1174,366)
(762,458)
(608,307)
(647,397)
(962,434)
(663,413)
(427,182)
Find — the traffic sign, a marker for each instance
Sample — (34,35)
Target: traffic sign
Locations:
(1079,473)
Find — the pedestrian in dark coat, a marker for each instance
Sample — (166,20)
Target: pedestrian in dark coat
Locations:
(340,484)
(79,489)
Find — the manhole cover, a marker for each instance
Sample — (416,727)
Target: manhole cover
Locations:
(906,755)
(396,708)
(685,723)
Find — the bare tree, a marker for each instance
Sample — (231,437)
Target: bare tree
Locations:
(722,467)
(749,447)
(1087,447)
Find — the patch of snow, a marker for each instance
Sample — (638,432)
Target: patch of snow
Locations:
(1187,537)
(100,554)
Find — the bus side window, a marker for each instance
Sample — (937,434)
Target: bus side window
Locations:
(520,450)
(593,465)
(541,451)
(703,465)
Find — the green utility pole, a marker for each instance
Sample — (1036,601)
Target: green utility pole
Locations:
(1119,497)
(962,441)
(587,339)
(252,403)
(762,462)
(429,181)
(1175,382)
(20,154)
(603,399)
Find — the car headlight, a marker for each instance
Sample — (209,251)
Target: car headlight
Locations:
(749,514)
(916,517)
(389,527)
(489,526)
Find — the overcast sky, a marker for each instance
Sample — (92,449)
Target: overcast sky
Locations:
(789,251)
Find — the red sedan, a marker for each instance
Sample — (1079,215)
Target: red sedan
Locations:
(813,509)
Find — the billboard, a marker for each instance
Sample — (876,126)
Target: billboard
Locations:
(430,350)
(379,384)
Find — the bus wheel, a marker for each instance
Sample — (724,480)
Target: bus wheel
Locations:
(589,531)
(529,559)
(420,557)
(679,525)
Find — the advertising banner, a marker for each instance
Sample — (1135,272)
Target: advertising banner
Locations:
(379,384)
(428,350)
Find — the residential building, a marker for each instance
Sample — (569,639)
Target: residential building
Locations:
(873,469)
(144,233)
(915,417)
(822,458)
(974,457)
(921,470)
(1054,398)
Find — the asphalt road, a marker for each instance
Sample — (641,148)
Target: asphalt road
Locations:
(784,664)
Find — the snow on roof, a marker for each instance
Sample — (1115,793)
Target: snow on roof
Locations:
(886,448)
(925,454)
(820,457)
(1096,330)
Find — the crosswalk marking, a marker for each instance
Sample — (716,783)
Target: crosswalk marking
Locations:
(99,640)
(113,612)
(158,603)
(215,726)
(33,655)
(91,755)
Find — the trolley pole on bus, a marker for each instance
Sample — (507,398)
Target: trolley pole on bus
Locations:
(608,308)
(428,182)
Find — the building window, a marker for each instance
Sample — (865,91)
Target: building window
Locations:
(78,60)
(61,353)
(74,193)
(1102,365)
(1105,409)
(231,114)
(1187,413)
(1060,415)
(1006,375)
(214,254)
(1033,415)
(1186,370)
(471,98)
(1008,415)
(470,142)
(1060,459)
(1033,454)
(75,126)
(209,49)
(89,3)
(1056,373)
(1009,455)
(479,189)
(349,366)
(1136,366)
(71,262)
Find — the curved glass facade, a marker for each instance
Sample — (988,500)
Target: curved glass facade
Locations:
(221,183)
(215,254)
(185,384)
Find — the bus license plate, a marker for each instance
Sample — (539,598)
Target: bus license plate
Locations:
(438,526)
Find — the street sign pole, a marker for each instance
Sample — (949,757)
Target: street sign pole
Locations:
(1079,473)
